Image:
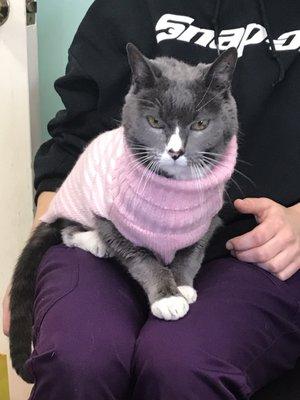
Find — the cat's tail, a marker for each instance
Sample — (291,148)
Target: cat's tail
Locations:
(22,295)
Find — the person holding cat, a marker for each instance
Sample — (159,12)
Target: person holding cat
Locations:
(93,335)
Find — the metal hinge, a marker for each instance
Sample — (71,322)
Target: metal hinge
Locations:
(31,9)
(4,11)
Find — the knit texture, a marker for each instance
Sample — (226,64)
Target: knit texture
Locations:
(152,211)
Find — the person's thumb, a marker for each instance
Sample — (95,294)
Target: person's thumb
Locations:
(254,205)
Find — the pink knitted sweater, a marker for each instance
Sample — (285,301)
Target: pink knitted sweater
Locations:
(159,213)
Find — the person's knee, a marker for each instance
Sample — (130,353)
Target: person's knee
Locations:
(90,370)
(96,357)
(158,357)
(82,365)
(177,363)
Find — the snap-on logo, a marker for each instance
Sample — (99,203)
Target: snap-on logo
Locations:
(179,27)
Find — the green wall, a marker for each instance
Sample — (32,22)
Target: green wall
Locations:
(57,23)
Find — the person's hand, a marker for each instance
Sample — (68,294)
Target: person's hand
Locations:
(42,206)
(275,243)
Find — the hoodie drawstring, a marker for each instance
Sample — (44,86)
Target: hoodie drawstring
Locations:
(215,22)
(281,71)
(274,53)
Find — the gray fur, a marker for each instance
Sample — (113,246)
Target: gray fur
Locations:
(157,280)
(187,262)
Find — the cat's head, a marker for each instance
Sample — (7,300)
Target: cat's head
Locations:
(176,114)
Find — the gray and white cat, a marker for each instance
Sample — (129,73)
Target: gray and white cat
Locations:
(181,101)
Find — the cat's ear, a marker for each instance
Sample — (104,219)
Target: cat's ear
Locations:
(220,72)
(142,72)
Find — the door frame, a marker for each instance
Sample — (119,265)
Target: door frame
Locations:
(19,138)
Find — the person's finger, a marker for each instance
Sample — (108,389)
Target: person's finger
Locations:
(256,237)
(254,205)
(263,253)
(289,271)
(281,260)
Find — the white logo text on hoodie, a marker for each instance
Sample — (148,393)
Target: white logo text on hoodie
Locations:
(179,27)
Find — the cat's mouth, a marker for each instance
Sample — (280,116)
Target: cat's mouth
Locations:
(183,169)
(180,168)
(186,173)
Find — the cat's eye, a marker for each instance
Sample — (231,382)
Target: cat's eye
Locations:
(200,125)
(155,123)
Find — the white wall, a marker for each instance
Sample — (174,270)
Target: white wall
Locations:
(16,200)
(20,132)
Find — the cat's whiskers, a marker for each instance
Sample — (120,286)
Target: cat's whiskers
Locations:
(141,155)
(117,120)
(146,177)
(135,146)
(154,164)
(210,161)
(141,151)
(206,91)
(205,167)
(199,174)
(135,164)
(137,149)
(147,101)
(235,169)
(144,174)
(137,155)
(158,102)
(152,172)
(201,171)
(216,95)
(140,160)
(135,167)
(222,155)
(195,175)
(214,177)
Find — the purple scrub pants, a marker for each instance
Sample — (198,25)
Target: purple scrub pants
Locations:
(95,339)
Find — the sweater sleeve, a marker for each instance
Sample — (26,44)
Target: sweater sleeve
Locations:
(97,68)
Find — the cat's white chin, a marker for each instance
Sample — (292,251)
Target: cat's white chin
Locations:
(170,308)
(179,169)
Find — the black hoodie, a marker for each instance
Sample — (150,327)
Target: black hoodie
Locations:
(266,87)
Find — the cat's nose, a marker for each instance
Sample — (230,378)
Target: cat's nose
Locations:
(175,154)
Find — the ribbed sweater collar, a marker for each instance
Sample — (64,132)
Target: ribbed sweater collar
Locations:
(166,192)
(163,214)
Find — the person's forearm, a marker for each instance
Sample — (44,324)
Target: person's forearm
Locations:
(42,206)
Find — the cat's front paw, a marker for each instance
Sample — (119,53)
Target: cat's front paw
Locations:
(170,308)
(188,292)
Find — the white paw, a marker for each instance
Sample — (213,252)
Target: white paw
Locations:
(188,293)
(170,308)
(67,235)
(88,241)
